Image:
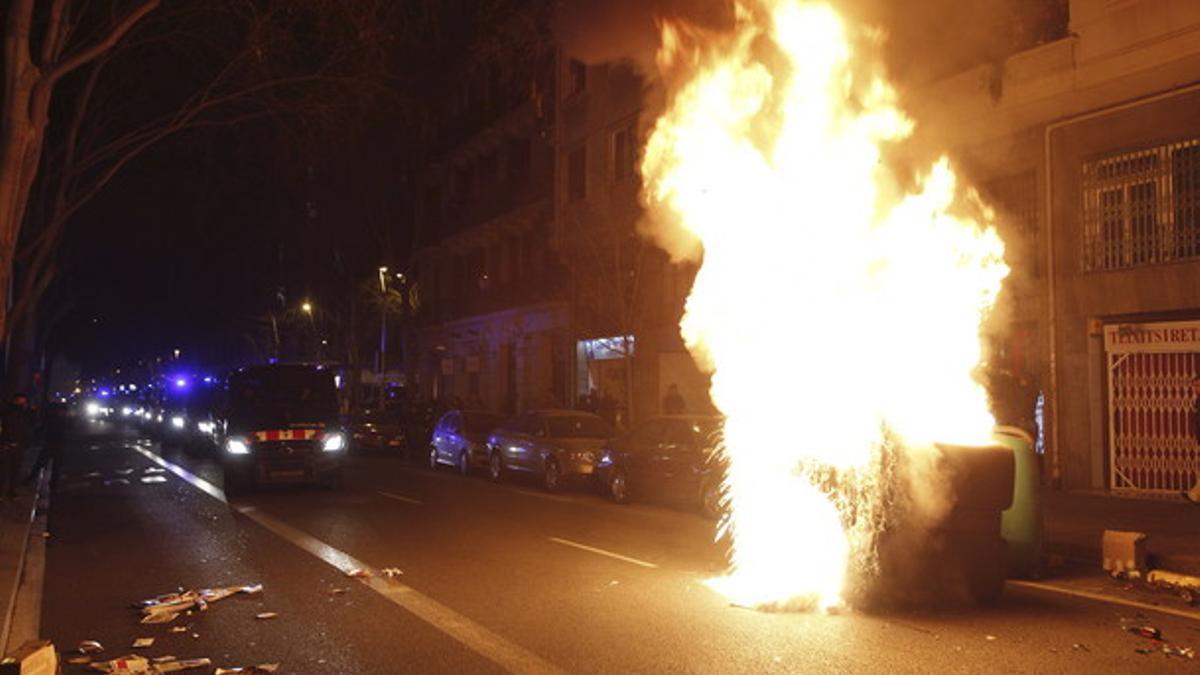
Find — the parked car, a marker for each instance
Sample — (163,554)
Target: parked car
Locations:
(379,430)
(668,458)
(556,445)
(460,439)
(281,425)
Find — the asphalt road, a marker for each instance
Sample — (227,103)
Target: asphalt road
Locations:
(494,578)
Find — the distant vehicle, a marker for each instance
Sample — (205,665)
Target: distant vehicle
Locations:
(667,458)
(281,424)
(378,430)
(556,445)
(460,439)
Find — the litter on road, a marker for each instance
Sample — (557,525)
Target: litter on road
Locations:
(359,573)
(392,572)
(143,642)
(90,647)
(266,615)
(166,608)
(249,670)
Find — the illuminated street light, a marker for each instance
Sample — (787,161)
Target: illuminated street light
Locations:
(307,308)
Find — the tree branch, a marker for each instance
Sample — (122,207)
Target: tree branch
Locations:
(82,57)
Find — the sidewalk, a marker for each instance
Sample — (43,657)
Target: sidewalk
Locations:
(16,519)
(1074,522)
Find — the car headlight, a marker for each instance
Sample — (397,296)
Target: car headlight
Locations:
(92,409)
(178,422)
(334,442)
(237,446)
(604,459)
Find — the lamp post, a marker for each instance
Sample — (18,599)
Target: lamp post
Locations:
(383,270)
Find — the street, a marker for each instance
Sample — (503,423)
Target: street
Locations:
(494,578)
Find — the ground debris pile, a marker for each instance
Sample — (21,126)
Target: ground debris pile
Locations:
(1154,640)
(166,608)
(140,664)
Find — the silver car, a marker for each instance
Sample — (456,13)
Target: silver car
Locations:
(556,445)
(460,439)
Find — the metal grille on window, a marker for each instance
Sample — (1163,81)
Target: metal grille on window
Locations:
(1142,208)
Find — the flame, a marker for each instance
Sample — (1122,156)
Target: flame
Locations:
(833,302)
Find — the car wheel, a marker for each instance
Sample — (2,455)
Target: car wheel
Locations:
(618,487)
(495,467)
(433,458)
(551,477)
(464,462)
(710,500)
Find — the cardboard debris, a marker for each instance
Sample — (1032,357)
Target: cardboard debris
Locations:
(33,657)
(166,608)
(266,615)
(1123,552)
(124,664)
(143,642)
(185,664)
(249,670)
(90,647)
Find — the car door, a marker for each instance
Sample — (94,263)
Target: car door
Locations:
(515,441)
(680,460)
(438,439)
(638,456)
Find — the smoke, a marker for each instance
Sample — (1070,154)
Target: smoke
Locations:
(596,31)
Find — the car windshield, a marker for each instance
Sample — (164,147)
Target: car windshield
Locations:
(480,422)
(578,426)
(290,394)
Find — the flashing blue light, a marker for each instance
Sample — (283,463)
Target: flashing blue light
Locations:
(209,379)
(104,393)
(181,383)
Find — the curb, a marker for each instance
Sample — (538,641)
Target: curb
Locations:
(10,602)
(1087,555)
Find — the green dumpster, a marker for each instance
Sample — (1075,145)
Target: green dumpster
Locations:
(1021,524)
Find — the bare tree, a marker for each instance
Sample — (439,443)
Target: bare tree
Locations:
(305,64)
(34,66)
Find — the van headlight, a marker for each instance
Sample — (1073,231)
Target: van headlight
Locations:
(237,446)
(334,442)
(178,422)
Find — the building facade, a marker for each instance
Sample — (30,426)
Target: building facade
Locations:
(1089,147)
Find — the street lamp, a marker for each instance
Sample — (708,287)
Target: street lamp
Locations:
(307,308)
(383,280)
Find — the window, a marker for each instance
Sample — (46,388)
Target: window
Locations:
(577,174)
(624,148)
(576,77)
(1143,207)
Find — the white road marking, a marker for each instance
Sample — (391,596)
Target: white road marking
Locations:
(474,636)
(600,551)
(402,498)
(484,642)
(1043,586)
(196,481)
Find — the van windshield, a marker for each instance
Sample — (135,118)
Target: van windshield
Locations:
(283,395)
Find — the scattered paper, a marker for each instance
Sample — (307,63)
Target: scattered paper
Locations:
(266,615)
(143,642)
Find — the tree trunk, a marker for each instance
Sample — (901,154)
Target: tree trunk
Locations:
(22,350)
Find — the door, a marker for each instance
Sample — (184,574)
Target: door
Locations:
(1151,443)
(642,448)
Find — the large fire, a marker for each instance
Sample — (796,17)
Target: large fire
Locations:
(835,306)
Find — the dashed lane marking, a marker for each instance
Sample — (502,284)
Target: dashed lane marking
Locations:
(474,636)
(600,551)
(402,498)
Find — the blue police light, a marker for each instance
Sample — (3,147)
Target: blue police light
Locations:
(209,379)
(181,382)
(104,393)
